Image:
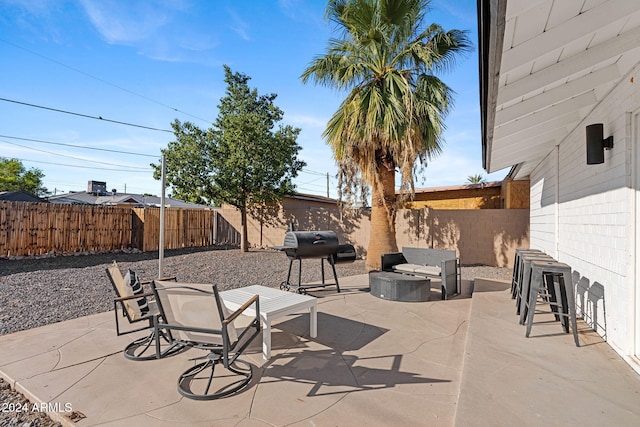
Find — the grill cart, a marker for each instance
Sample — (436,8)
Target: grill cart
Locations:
(299,245)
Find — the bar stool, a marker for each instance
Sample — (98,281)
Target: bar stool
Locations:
(554,278)
(517,268)
(524,283)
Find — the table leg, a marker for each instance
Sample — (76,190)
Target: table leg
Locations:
(313,319)
(266,339)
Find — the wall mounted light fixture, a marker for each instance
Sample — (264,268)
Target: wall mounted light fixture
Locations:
(596,144)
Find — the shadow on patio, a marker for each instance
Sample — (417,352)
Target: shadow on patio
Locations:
(328,372)
(374,362)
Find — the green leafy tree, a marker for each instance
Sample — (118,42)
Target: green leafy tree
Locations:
(393,114)
(475,179)
(14,176)
(243,160)
(189,168)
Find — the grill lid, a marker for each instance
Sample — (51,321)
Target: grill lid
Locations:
(310,244)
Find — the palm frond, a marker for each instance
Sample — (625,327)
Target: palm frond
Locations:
(387,58)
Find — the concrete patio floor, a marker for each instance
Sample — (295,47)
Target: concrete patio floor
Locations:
(462,362)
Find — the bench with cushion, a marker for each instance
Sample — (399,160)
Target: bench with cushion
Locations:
(438,263)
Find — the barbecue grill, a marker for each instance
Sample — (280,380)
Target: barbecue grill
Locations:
(299,245)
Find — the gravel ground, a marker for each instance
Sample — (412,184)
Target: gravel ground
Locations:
(37,292)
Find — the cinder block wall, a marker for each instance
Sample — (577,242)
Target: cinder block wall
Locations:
(485,236)
(515,194)
(472,198)
(269,228)
(480,236)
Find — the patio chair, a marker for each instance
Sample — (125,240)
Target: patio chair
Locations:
(198,318)
(139,308)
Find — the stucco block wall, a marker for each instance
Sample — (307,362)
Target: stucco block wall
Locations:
(508,194)
(479,236)
(473,198)
(515,194)
(269,229)
(584,215)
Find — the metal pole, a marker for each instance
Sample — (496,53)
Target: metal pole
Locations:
(327,184)
(161,241)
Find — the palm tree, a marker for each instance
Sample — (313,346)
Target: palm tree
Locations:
(475,179)
(393,113)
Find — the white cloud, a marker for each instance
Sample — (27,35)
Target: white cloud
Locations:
(238,25)
(155,28)
(289,7)
(197,42)
(298,10)
(125,22)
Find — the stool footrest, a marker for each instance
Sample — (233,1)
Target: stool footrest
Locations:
(550,283)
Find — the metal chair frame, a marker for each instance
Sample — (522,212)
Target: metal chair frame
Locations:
(138,348)
(226,353)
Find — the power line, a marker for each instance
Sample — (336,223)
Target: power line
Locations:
(104,81)
(312,184)
(86,167)
(78,146)
(71,157)
(313,172)
(85,115)
(307,171)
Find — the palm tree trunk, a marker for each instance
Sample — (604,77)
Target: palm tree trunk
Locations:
(383,218)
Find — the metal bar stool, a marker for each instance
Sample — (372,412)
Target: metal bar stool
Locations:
(524,282)
(554,278)
(517,268)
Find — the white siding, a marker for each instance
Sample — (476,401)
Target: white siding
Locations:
(542,206)
(584,220)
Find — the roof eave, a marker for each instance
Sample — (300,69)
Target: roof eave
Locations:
(491,25)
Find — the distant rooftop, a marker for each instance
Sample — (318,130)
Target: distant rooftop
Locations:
(19,196)
(119,199)
(314,197)
(460,187)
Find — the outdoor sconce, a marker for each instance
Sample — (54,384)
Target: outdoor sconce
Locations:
(596,144)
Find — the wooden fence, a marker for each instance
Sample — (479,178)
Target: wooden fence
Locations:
(39,228)
(483,236)
(183,228)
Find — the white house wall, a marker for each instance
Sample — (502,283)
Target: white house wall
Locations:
(542,205)
(586,219)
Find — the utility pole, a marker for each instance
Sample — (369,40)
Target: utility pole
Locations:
(327,184)
(161,240)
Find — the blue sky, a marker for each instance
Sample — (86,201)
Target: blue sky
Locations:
(149,62)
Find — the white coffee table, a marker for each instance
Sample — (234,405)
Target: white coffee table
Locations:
(274,303)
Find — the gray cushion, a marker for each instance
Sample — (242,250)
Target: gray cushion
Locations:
(132,281)
(406,268)
(423,270)
(429,270)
